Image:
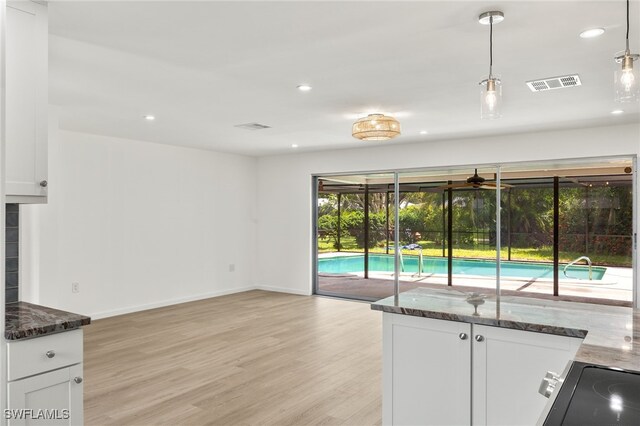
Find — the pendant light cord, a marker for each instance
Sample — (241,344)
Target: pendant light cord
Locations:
(491,44)
(627,36)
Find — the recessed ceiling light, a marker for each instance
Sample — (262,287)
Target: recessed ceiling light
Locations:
(294,145)
(592,32)
(423,132)
(617,111)
(304,87)
(149,117)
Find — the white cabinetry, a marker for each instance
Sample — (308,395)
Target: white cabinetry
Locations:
(439,372)
(426,371)
(45,380)
(508,366)
(53,398)
(26,101)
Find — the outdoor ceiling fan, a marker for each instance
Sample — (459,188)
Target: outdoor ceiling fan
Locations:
(476,182)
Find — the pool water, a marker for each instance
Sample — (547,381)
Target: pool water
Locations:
(438,265)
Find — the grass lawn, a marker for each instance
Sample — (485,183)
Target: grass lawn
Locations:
(543,254)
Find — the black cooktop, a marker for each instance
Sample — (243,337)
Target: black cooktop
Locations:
(596,395)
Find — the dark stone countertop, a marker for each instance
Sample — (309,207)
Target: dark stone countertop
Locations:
(611,334)
(25,320)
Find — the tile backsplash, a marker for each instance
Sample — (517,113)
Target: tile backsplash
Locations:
(12,251)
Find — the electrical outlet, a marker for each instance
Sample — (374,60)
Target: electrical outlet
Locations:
(75,287)
(232,267)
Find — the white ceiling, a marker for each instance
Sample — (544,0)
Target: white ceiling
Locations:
(203,67)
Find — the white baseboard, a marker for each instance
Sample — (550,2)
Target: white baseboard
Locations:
(282,290)
(163,303)
(160,304)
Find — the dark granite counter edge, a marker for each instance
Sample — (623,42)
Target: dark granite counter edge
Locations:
(516,325)
(45,329)
(25,320)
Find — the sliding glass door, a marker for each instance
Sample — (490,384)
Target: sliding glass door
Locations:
(563,230)
(354,236)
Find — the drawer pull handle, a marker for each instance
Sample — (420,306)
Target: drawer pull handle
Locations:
(479,338)
(78,380)
(50,354)
(463,336)
(44,183)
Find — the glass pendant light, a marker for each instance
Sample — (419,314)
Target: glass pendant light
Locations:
(626,79)
(491,92)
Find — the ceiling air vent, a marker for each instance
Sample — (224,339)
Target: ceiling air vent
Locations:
(554,83)
(252,126)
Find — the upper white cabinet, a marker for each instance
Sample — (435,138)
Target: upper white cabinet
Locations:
(26,101)
(439,372)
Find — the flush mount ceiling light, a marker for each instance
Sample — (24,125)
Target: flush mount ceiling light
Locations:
(617,112)
(491,92)
(304,87)
(376,127)
(625,78)
(149,117)
(592,32)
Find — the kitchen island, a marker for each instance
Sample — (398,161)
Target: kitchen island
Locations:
(442,361)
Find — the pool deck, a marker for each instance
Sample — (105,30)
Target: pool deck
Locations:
(616,285)
(375,288)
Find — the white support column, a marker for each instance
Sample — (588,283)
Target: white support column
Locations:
(3,349)
(634,232)
(498,231)
(396,235)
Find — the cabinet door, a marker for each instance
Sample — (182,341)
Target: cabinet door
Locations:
(508,366)
(426,371)
(53,398)
(26,98)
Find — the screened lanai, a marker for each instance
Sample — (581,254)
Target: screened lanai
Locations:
(565,231)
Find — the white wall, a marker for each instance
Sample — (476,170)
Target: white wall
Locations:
(139,225)
(284,183)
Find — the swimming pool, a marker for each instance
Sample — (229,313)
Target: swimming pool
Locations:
(438,265)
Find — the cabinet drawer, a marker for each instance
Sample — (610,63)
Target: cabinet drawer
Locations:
(40,354)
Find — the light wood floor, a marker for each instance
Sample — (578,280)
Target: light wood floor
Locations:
(244,359)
